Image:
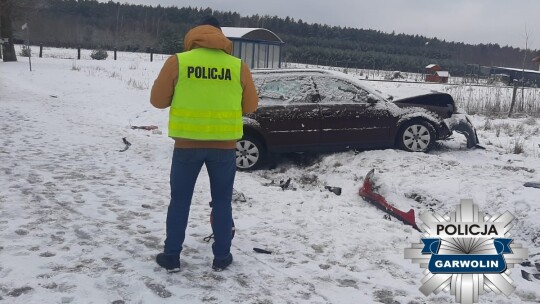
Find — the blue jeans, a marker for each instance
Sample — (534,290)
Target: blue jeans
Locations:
(186,165)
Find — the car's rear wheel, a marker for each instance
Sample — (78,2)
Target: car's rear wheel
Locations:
(250,153)
(416,136)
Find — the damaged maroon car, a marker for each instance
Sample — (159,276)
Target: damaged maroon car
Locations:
(321,110)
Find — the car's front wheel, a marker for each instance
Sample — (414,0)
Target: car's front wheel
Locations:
(250,153)
(416,136)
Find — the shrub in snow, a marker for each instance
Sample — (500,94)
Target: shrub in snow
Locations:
(487,124)
(518,146)
(75,67)
(25,51)
(99,54)
(531,121)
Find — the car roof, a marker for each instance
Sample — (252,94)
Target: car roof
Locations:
(267,71)
(262,72)
(322,72)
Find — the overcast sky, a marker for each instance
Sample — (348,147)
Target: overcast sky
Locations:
(469,21)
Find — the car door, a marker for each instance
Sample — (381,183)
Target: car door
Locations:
(351,116)
(288,112)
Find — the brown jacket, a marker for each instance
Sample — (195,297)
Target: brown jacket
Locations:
(204,36)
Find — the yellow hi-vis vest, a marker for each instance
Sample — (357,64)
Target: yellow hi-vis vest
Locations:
(207,101)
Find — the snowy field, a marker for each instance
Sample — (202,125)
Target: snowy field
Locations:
(81,222)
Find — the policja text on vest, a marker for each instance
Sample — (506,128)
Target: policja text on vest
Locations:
(209,73)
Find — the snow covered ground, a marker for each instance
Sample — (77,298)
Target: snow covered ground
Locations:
(81,222)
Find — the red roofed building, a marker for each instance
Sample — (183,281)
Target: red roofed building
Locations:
(434,73)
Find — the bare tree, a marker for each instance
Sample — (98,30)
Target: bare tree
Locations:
(522,103)
(6,30)
(116,30)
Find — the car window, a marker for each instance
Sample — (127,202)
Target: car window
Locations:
(338,90)
(286,89)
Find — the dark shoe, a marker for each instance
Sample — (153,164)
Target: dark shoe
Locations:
(170,262)
(221,264)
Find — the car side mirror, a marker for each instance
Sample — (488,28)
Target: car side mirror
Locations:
(372,99)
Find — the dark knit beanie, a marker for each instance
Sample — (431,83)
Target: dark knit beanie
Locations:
(210,20)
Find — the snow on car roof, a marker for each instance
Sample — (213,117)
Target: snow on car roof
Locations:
(336,74)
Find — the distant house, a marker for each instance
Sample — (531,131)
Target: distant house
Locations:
(434,73)
(537,59)
(259,48)
(530,77)
(433,67)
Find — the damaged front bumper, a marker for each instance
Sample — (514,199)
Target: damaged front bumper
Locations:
(461,123)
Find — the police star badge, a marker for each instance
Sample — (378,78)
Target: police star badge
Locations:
(466,253)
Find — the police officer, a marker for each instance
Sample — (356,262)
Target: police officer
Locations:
(207,90)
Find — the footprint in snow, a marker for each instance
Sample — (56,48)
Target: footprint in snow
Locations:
(384,296)
(34,178)
(158,289)
(21,232)
(19,291)
(347,283)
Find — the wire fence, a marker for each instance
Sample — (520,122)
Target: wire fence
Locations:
(475,95)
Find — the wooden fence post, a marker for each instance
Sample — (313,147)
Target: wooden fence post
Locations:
(79,53)
(513,98)
(41,50)
(115,53)
(151,54)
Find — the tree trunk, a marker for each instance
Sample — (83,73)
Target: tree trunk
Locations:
(522,103)
(7,30)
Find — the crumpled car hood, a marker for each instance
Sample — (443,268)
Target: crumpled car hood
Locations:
(430,99)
